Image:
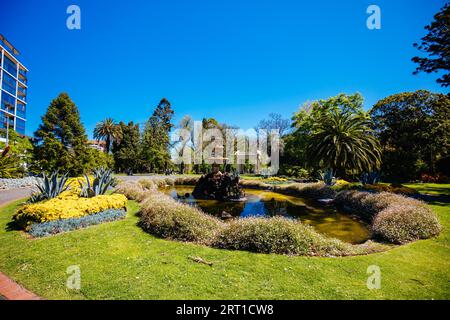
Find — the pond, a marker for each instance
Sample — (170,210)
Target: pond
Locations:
(326,219)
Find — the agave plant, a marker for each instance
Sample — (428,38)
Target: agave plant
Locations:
(50,186)
(328,178)
(103,179)
(370,178)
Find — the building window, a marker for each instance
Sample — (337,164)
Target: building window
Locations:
(21,110)
(9,83)
(10,66)
(4,118)
(20,126)
(8,102)
(22,93)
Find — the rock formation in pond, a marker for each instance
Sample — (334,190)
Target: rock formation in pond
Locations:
(218,186)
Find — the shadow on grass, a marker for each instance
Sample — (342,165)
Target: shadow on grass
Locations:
(12,226)
(436,200)
(438,190)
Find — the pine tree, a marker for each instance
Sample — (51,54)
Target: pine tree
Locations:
(126,151)
(156,141)
(61,141)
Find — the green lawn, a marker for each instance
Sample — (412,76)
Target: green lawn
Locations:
(119,261)
(430,188)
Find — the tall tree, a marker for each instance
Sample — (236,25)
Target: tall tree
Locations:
(108,131)
(127,150)
(304,123)
(437,45)
(61,139)
(276,122)
(156,140)
(343,141)
(414,130)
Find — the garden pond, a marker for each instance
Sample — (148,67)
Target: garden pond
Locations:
(326,219)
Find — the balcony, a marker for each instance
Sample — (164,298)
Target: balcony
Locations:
(8,46)
(22,92)
(23,76)
(8,107)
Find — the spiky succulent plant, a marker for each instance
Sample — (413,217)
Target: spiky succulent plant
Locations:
(103,179)
(50,186)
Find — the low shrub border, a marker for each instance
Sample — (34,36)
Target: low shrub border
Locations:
(394,219)
(49,228)
(165,217)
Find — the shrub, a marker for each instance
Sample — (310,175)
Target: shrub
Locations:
(278,235)
(394,218)
(254,184)
(66,207)
(9,165)
(132,190)
(186,181)
(404,223)
(148,184)
(438,178)
(311,190)
(169,181)
(167,218)
(399,189)
(57,226)
(367,205)
(294,171)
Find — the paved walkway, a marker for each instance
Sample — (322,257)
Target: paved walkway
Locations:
(9,289)
(7,196)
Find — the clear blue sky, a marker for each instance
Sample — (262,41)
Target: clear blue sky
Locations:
(233,60)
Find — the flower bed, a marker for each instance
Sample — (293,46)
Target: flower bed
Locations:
(63,225)
(65,206)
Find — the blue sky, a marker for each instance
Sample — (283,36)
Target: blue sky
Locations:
(233,60)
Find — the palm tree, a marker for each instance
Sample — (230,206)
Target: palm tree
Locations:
(344,141)
(108,131)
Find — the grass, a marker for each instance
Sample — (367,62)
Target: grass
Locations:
(430,188)
(120,261)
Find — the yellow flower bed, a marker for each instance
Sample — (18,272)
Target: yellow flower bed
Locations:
(276,179)
(67,205)
(74,183)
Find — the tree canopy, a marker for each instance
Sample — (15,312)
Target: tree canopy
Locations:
(127,150)
(61,139)
(108,131)
(414,131)
(156,140)
(436,44)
